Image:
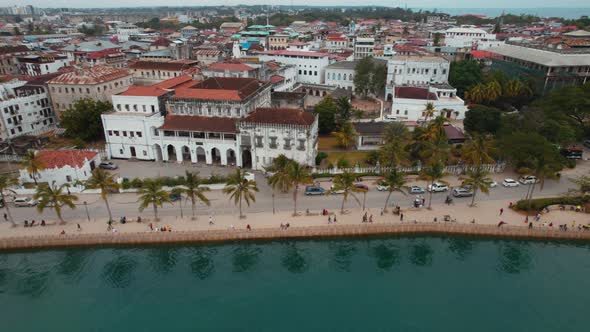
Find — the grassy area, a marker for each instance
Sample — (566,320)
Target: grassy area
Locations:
(353,157)
(328,143)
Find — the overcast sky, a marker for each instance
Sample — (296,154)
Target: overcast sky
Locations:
(410,3)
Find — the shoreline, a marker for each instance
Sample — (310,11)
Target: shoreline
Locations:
(298,233)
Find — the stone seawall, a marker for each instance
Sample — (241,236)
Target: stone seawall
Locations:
(151,238)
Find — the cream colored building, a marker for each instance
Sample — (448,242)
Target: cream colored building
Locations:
(97,83)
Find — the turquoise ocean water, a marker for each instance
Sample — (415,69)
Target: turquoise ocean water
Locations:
(389,284)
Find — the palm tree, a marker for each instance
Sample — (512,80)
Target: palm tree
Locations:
(346,135)
(493,90)
(280,178)
(429,111)
(151,192)
(104,181)
(479,150)
(239,188)
(345,182)
(298,174)
(432,173)
(194,190)
(7,181)
(396,137)
(54,196)
(476,93)
(478,180)
(395,181)
(33,164)
(544,167)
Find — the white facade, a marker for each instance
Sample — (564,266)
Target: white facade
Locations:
(409,107)
(416,71)
(24,110)
(66,174)
(35,65)
(340,77)
(363,47)
(466,37)
(310,65)
(124,31)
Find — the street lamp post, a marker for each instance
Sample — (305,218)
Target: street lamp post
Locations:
(86,208)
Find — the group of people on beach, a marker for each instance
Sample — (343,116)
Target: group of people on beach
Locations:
(368,219)
(33,223)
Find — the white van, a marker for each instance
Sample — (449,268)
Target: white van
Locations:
(24,202)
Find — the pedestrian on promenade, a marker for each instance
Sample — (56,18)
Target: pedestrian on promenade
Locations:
(526,219)
(510,205)
(371,218)
(501,223)
(381,212)
(5,217)
(79,227)
(334,219)
(530,225)
(42,222)
(329,219)
(423,201)
(401,217)
(151,227)
(501,211)
(211,220)
(248,227)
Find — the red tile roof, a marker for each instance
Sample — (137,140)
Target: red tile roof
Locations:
(230,66)
(145,91)
(14,49)
(281,116)
(94,75)
(296,53)
(172,83)
(408,92)
(61,158)
(207,52)
(220,88)
(200,123)
(103,53)
(159,65)
(276,79)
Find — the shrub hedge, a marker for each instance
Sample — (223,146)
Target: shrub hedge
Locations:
(168,181)
(538,204)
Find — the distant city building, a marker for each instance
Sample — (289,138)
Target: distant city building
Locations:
(63,167)
(415,71)
(310,65)
(363,47)
(409,103)
(469,37)
(41,64)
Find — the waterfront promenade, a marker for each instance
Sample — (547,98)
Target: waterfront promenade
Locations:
(478,221)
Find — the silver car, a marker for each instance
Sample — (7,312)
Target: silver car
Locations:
(416,190)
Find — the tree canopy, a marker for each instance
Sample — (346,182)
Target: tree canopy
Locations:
(82,120)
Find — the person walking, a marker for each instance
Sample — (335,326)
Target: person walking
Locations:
(334,219)
(5,217)
(248,227)
(401,217)
(501,211)
(211,220)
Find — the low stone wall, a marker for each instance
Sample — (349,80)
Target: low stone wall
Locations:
(115,239)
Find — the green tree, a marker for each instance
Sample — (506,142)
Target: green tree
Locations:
(464,74)
(483,120)
(522,149)
(326,110)
(546,164)
(33,164)
(83,120)
(433,173)
(104,181)
(7,181)
(436,38)
(194,190)
(478,180)
(363,76)
(429,111)
(239,188)
(379,79)
(345,182)
(53,196)
(280,176)
(346,135)
(298,175)
(479,150)
(151,193)
(395,181)
(393,152)
(570,105)
(344,111)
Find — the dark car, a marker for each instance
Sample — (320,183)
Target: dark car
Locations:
(108,165)
(361,186)
(312,190)
(175,197)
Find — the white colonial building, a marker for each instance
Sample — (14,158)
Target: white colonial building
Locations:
(467,37)
(415,71)
(310,65)
(341,73)
(409,103)
(125,31)
(25,108)
(63,167)
(199,122)
(363,47)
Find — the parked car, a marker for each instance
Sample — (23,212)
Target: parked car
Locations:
(528,179)
(175,197)
(416,190)
(509,183)
(313,190)
(249,176)
(382,186)
(361,186)
(462,192)
(389,118)
(108,165)
(493,184)
(438,187)
(24,202)
(335,192)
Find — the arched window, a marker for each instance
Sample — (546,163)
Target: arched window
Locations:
(339,77)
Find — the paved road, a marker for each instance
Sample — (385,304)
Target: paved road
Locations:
(126,204)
